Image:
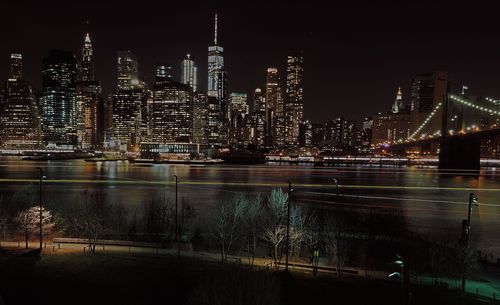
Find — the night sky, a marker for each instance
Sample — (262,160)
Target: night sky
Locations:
(355,54)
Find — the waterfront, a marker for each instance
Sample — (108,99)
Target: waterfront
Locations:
(432,203)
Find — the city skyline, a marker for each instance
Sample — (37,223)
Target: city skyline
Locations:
(398,50)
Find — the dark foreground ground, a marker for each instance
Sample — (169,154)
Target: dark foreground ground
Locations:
(122,279)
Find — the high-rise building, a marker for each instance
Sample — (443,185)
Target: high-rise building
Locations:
(428,92)
(294,99)
(275,127)
(215,64)
(200,118)
(397,107)
(340,133)
(217,87)
(16,66)
(59,81)
(19,113)
(127,111)
(305,134)
(163,73)
(89,105)
(89,102)
(238,113)
(87,64)
(172,115)
(258,131)
(189,73)
(128,71)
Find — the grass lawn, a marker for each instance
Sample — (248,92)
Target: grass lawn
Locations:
(77,278)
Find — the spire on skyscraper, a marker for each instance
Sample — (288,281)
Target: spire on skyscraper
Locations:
(215,30)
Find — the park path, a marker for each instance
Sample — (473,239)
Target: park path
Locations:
(487,286)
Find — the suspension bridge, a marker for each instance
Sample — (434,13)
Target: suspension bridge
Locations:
(456,128)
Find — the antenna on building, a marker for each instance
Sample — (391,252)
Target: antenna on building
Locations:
(215,30)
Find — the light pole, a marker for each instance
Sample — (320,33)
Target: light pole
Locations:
(40,193)
(176,227)
(290,190)
(405,278)
(473,201)
(336,181)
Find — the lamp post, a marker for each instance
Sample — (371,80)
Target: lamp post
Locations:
(290,190)
(405,278)
(176,227)
(473,201)
(40,193)
(336,181)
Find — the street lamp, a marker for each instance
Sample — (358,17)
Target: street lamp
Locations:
(404,276)
(176,227)
(41,177)
(473,201)
(336,181)
(290,190)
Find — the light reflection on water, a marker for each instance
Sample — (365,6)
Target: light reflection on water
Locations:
(437,210)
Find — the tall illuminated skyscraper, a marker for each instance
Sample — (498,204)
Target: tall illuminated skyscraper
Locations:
(294,99)
(398,103)
(16,66)
(217,88)
(19,114)
(89,103)
(189,73)
(215,64)
(127,68)
(172,113)
(59,81)
(87,65)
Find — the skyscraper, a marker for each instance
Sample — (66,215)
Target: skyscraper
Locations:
(258,118)
(19,113)
(87,64)
(217,88)
(398,103)
(172,114)
(59,81)
(189,73)
(89,103)
(272,87)
(127,106)
(215,64)
(127,68)
(238,113)
(16,66)
(200,118)
(427,93)
(294,100)
(163,73)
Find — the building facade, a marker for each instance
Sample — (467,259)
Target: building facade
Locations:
(189,73)
(59,81)
(294,99)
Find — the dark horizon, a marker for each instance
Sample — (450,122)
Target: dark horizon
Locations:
(354,56)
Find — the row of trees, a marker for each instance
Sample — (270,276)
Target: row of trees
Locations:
(248,226)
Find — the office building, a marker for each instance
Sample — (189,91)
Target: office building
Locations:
(59,82)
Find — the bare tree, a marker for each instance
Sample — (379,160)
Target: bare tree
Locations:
(95,215)
(186,214)
(252,224)
(299,229)
(119,214)
(156,217)
(4,216)
(226,222)
(29,221)
(337,234)
(275,231)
